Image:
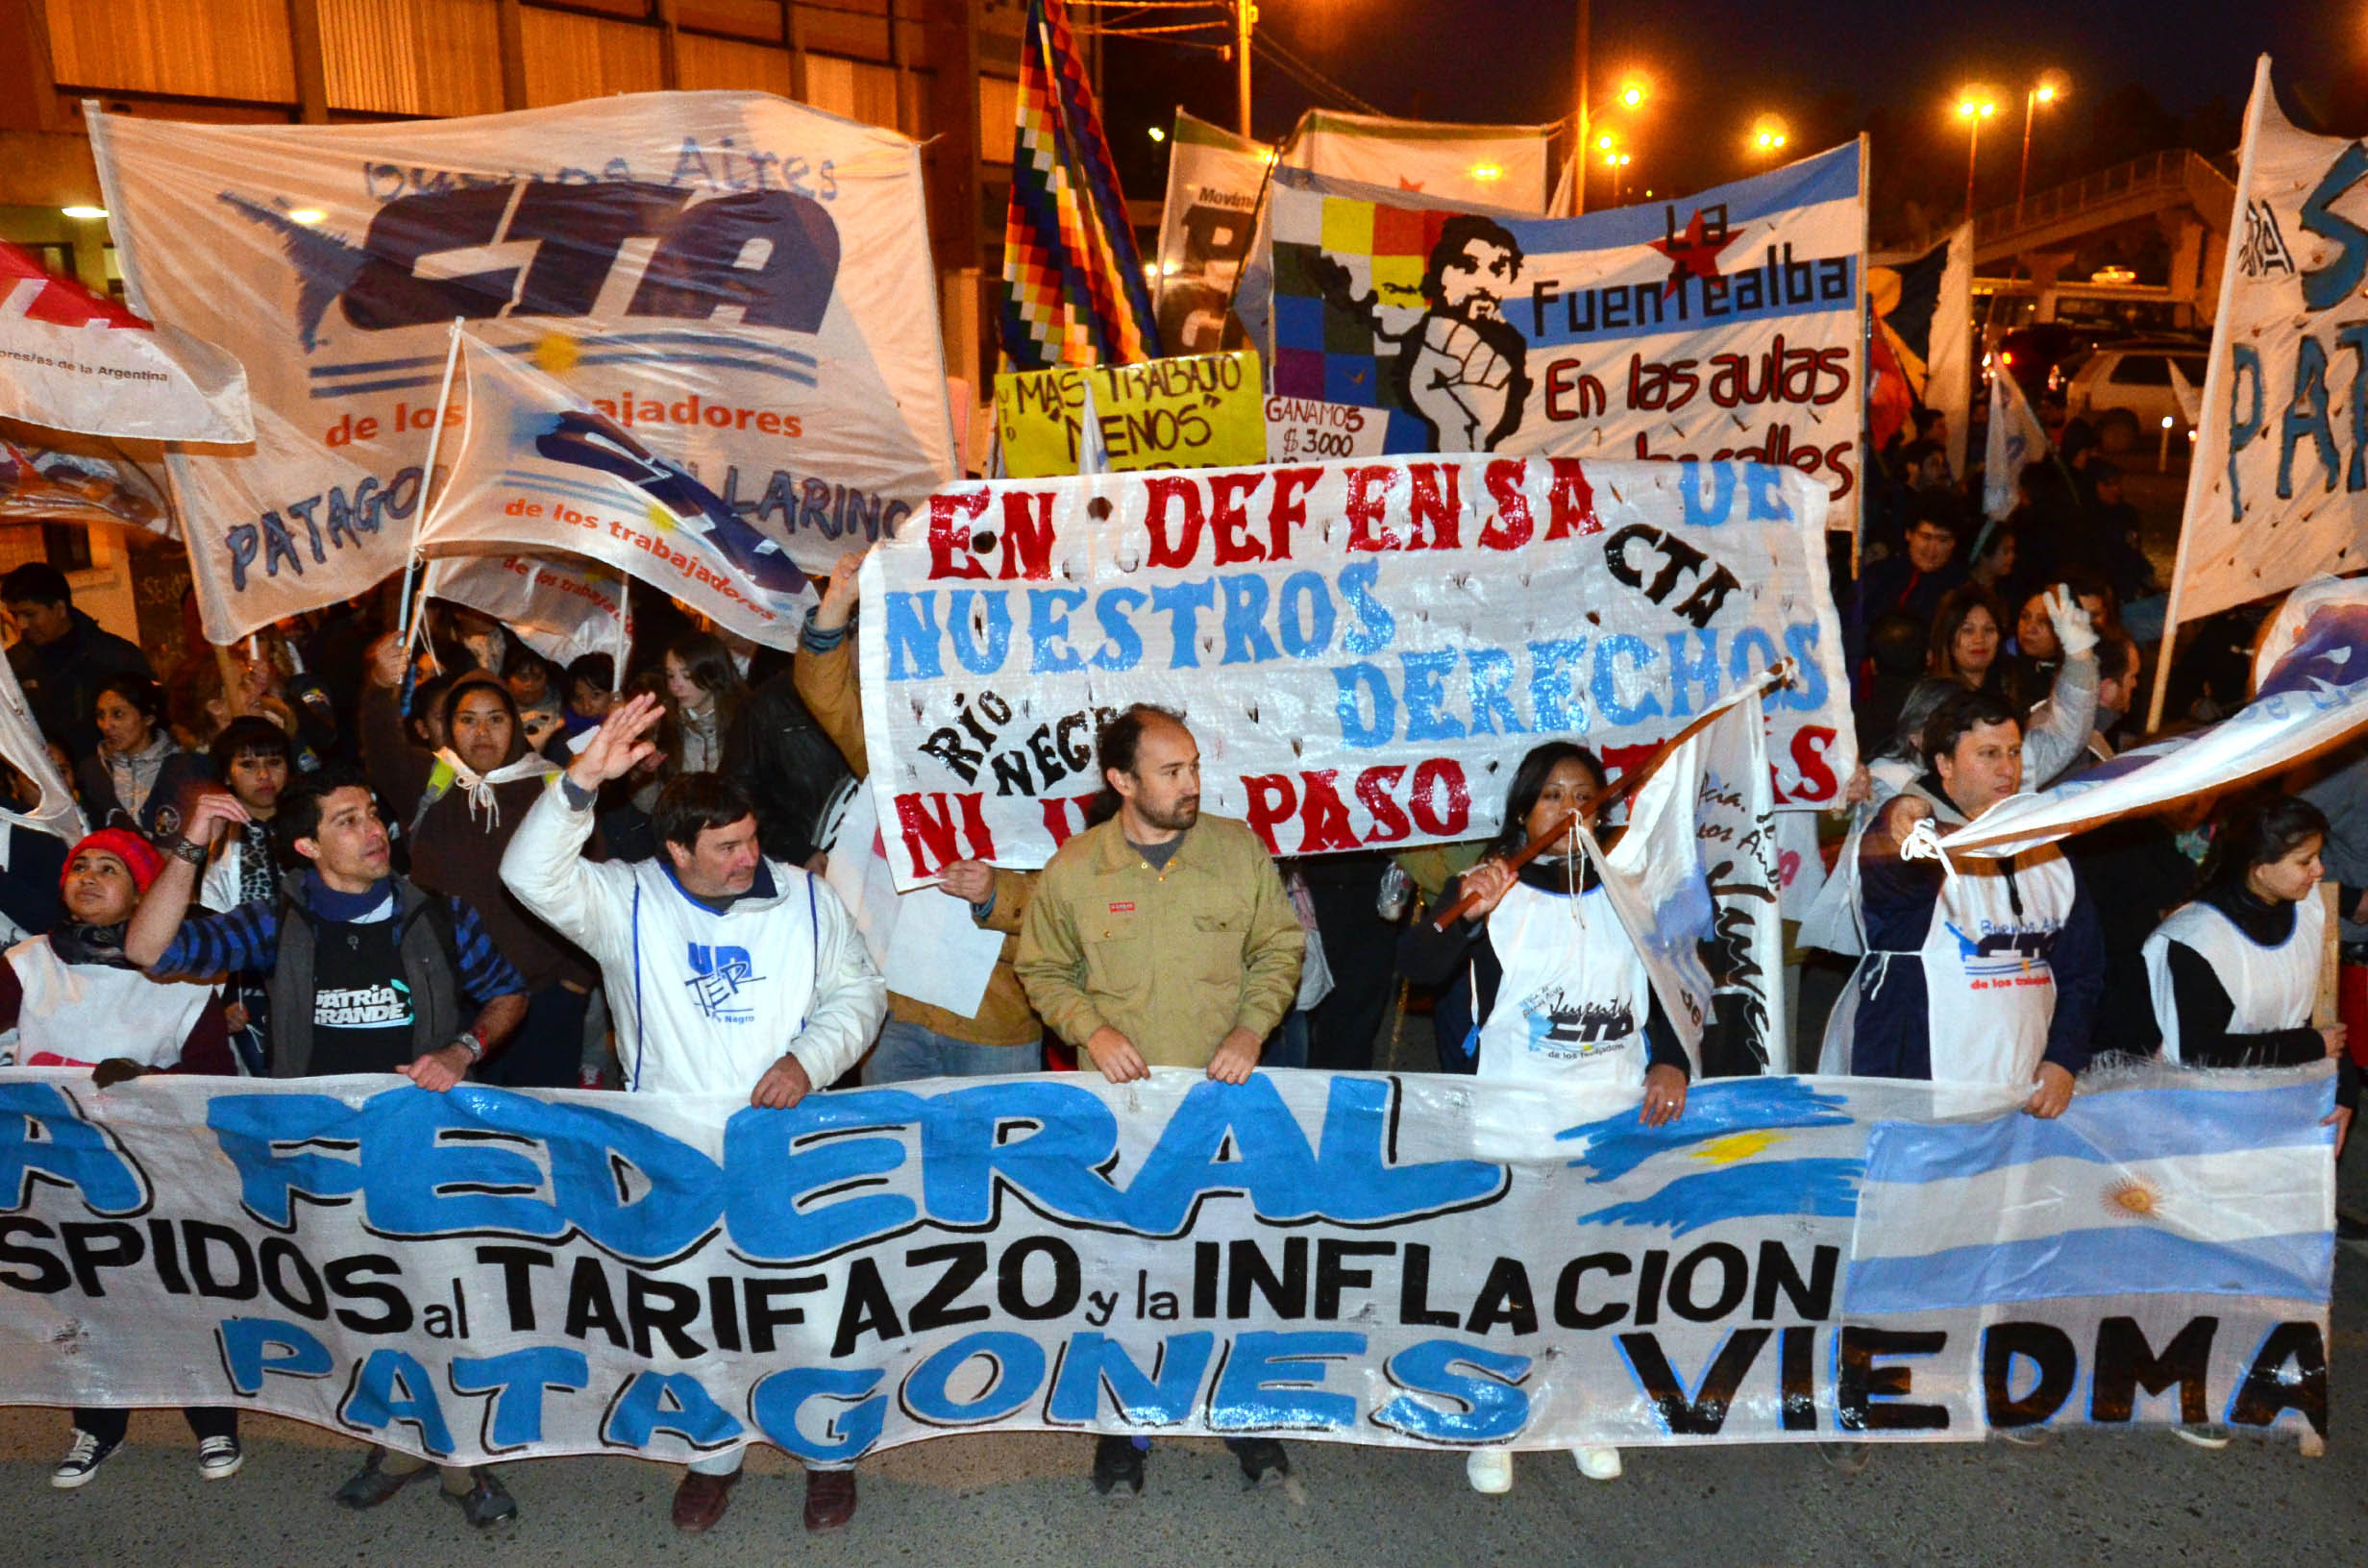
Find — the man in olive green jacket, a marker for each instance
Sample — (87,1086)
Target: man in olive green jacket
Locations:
(1161,939)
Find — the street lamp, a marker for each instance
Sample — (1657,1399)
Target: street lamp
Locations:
(1617,164)
(1769,136)
(1633,93)
(1974,105)
(2050,86)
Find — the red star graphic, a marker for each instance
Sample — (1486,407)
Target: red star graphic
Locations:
(1404,183)
(1692,253)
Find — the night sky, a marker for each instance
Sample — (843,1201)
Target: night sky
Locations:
(1891,67)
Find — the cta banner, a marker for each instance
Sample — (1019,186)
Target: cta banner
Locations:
(534,467)
(1725,326)
(1413,1262)
(1363,649)
(1196,411)
(742,283)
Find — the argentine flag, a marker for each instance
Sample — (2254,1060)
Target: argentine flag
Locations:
(2219,1184)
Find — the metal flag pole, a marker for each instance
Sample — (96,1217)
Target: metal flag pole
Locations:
(2216,377)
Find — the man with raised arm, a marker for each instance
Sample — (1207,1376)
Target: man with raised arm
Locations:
(728,974)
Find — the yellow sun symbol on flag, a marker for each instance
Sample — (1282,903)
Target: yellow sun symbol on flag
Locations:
(659,518)
(556,353)
(1727,1150)
(2131,1198)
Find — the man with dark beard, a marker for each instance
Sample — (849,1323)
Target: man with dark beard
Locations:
(1160,937)
(1462,368)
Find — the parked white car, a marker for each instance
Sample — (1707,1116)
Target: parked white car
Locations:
(2125,390)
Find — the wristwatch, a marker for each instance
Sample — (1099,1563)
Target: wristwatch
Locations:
(476,1047)
(193,853)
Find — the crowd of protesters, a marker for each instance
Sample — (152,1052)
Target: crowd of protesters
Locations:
(324,852)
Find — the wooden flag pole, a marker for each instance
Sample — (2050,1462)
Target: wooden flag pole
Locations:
(1586,810)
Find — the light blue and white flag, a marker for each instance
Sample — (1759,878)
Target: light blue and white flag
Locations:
(2194,1189)
(2310,693)
(2017,440)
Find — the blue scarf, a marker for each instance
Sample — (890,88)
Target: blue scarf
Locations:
(328,904)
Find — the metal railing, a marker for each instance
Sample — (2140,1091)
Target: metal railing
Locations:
(2164,173)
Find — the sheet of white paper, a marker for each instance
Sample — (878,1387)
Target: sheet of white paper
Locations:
(937,954)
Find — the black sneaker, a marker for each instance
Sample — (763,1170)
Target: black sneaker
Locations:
(370,1485)
(1118,1468)
(486,1504)
(1263,1461)
(81,1460)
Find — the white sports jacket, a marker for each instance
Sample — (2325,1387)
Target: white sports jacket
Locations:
(704,1002)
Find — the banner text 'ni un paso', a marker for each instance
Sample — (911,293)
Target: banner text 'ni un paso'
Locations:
(1363,649)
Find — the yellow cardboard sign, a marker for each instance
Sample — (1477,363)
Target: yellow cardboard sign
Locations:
(1196,411)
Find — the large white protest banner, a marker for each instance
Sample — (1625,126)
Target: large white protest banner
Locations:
(1728,325)
(537,469)
(1214,181)
(1504,165)
(2311,694)
(561,606)
(2279,490)
(1408,1261)
(741,282)
(72,359)
(1365,649)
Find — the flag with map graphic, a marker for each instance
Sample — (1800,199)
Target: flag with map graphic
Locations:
(539,469)
(1723,325)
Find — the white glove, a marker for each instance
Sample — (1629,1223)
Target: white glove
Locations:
(2071,621)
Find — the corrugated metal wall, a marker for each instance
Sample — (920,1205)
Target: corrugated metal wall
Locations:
(411,56)
(188,48)
(568,56)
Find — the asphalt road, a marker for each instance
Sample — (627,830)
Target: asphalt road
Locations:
(2140,1497)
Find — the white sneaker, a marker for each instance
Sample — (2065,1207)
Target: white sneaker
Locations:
(1489,1470)
(218,1458)
(1597,1463)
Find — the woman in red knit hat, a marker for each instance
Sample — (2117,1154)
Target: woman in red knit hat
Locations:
(64,990)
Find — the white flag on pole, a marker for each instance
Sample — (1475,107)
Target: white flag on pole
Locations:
(71,360)
(2310,681)
(563,607)
(2278,491)
(2016,439)
(1698,865)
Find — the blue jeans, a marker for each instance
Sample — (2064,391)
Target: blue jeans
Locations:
(907,1051)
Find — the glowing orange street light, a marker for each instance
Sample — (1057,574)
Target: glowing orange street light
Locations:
(2050,86)
(1769,136)
(1632,93)
(1974,105)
